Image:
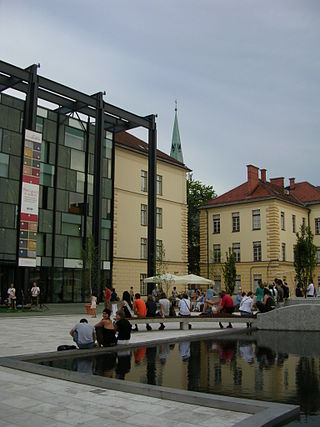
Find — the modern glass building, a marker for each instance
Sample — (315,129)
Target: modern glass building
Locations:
(71,173)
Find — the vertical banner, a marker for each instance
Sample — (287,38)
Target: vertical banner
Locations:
(29,208)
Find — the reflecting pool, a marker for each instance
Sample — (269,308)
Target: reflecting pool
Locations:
(275,366)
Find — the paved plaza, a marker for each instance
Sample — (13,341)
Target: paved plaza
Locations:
(33,400)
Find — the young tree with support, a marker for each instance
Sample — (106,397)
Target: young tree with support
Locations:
(229,271)
(305,257)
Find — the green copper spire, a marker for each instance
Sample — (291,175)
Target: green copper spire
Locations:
(176,151)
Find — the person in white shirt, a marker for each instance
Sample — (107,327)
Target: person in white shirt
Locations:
(35,292)
(184,306)
(246,304)
(164,308)
(12,296)
(310,290)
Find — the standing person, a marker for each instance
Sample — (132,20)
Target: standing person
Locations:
(299,293)
(279,290)
(107,296)
(105,330)
(123,328)
(164,309)
(310,290)
(286,291)
(35,292)
(140,308)
(12,296)
(259,291)
(93,306)
(83,334)
(114,301)
(239,297)
(131,294)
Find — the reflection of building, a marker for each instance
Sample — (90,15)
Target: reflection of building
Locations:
(258,220)
(68,191)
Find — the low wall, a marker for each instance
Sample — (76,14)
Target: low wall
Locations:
(295,301)
(295,317)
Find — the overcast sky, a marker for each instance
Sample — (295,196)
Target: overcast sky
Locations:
(246,73)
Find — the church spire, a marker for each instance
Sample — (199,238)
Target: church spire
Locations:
(176,151)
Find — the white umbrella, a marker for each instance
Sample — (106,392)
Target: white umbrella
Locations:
(167,277)
(193,279)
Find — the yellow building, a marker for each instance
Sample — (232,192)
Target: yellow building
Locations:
(258,220)
(130,214)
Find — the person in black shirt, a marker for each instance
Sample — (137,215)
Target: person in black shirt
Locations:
(123,328)
(151,309)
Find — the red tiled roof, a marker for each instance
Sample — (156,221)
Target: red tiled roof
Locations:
(262,190)
(306,192)
(131,142)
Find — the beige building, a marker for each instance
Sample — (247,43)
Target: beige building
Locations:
(258,220)
(130,214)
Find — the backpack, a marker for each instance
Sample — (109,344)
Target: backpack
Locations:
(66,347)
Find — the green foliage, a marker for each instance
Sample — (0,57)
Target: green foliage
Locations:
(229,271)
(162,269)
(91,267)
(198,195)
(305,257)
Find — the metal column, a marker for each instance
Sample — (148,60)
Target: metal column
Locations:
(152,197)
(98,156)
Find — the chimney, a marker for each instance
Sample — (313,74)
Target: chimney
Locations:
(292,183)
(253,177)
(263,175)
(278,181)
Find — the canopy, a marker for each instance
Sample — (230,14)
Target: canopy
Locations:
(192,279)
(167,277)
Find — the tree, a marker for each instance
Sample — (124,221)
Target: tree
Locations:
(305,257)
(91,268)
(229,271)
(198,195)
(162,269)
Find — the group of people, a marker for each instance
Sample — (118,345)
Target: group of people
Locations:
(105,333)
(12,296)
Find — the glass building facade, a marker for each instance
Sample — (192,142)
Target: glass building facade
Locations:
(65,204)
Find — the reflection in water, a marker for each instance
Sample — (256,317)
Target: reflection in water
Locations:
(254,365)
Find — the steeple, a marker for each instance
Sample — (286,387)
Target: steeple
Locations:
(176,151)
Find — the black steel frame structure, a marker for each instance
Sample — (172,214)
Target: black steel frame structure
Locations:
(106,117)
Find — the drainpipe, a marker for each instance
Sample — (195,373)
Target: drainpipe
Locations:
(207,243)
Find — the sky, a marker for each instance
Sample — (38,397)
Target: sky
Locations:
(245,73)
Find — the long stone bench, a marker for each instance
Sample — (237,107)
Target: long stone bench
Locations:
(185,321)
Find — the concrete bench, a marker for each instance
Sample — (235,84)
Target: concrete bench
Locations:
(185,321)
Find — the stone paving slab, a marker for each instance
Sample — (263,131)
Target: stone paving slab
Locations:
(28,399)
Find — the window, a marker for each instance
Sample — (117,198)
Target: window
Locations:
(256,251)
(217,282)
(4,165)
(256,219)
(236,251)
(238,284)
(216,253)
(71,225)
(318,255)
(159,218)
(46,174)
(143,286)
(144,215)
(159,250)
(143,248)
(74,138)
(144,180)
(77,160)
(293,223)
(317,225)
(39,124)
(235,221)
(216,224)
(257,278)
(283,251)
(159,185)
(282,221)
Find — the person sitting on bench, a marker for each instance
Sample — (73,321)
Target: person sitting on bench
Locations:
(224,305)
(106,334)
(83,334)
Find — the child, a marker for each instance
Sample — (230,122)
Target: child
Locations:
(93,307)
